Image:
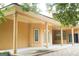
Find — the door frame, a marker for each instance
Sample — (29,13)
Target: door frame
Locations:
(71,37)
(76,39)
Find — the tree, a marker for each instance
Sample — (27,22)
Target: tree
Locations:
(2,17)
(30,7)
(49,7)
(66,13)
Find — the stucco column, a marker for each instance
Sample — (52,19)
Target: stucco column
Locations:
(15,28)
(51,38)
(46,31)
(61,36)
(72,36)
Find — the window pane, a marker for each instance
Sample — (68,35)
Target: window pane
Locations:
(58,35)
(36,35)
(64,35)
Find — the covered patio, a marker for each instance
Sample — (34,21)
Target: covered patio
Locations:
(20,28)
(27,30)
(66,35)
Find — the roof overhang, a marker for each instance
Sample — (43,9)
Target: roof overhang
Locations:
(29,17)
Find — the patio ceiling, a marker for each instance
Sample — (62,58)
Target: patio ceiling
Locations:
(28,19)
(38,17)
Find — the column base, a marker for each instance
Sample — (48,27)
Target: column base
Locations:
(14,52)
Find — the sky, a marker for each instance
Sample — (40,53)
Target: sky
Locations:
(42,7)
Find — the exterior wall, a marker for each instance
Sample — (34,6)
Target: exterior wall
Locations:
(6,35)
(41,28)
(31,36)
(25,34)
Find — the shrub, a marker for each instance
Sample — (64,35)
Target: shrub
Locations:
(5,54)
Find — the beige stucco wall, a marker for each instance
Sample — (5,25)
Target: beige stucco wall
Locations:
(6,35)
(31,36)
(41,28)
(6,32)
(25,34)
(23,38)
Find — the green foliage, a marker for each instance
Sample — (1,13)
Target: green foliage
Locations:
(5,54)
(30,7)
(34,7)
(2,17)
(67,13)
(25,7)
(2,13)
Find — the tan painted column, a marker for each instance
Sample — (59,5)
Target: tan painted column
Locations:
(46,31)
(51,38)
(61,36)
(72,36)
(15,28)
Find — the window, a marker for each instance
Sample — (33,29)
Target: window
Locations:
(36,32)
(58,35)
(64,35)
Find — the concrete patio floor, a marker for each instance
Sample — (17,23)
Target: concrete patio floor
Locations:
(68,51)
(42,51)
(54,50)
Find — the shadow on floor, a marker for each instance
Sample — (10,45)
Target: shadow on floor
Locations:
(42,52)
